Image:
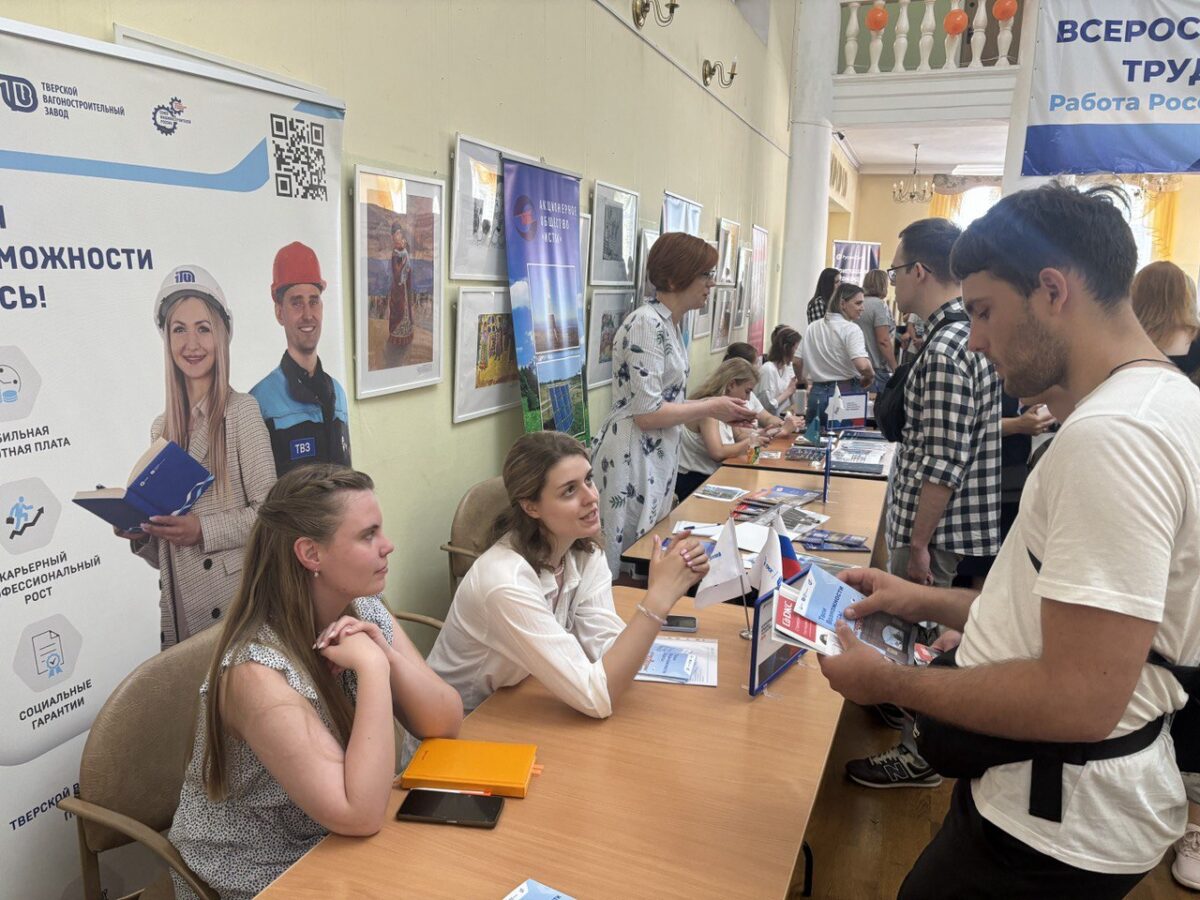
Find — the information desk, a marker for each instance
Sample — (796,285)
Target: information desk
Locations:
(695,792)
(783,444)
(855,506)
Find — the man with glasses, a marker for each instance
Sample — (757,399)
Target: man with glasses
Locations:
(943,502)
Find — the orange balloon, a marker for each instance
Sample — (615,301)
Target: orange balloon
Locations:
(1004,10)
(877,18)
(956,22)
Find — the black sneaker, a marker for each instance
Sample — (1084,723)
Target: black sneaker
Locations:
(892,715)
(898,767)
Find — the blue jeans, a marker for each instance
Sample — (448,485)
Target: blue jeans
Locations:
(818,398)
(881,380)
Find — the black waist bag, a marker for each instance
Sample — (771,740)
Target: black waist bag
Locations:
(957,753)
(889,404)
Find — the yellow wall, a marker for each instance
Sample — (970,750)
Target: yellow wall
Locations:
(1185,248)
(877,217)
(562,79)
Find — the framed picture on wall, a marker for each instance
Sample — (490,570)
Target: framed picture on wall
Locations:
(680,214)
(645,289)
(398,253)
(585,242)
(477,251)
(728,235)
(722,320)
(742,315)
(485,360)
(609,309)
(614,235)
(702,323)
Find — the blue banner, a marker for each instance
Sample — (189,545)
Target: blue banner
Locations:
(541,219)
(1114,88)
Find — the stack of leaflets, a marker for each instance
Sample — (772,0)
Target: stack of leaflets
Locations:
(808,612)
(720,492)
(819,539)
(753,507)
(680,660)
(814,455)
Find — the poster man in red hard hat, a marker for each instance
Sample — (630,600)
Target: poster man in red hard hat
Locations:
(304,408)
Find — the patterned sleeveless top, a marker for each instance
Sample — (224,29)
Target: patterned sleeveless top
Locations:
(242,844)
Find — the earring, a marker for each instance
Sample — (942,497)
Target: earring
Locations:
(316,574)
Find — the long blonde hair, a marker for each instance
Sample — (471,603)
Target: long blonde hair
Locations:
(276,591)
(177,415)
(729,372)
(1164,301)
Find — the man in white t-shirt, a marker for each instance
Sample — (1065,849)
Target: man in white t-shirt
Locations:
(1098,569)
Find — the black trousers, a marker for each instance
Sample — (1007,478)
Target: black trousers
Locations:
(971,858)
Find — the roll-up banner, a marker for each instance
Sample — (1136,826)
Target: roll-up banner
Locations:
(541,210)
(1115,88)
(120,170)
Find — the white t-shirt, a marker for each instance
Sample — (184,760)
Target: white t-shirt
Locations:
(828,347)
(754,404)
(1113,512)
(773,380)
(504,625)
(693,454)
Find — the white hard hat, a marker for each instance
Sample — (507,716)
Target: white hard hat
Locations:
(190,281)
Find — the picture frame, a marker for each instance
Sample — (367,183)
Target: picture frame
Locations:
(724,301)
(608,311)
(702,323)
(646,290)
(399,253)
(614,236)
(477,250)
(744,287)
(485,360)
(728,236)
(585,241)
(680,214)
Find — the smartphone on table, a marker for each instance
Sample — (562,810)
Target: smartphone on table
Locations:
(450,808)
(680,623)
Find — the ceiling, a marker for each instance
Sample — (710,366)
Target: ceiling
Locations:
(887,149)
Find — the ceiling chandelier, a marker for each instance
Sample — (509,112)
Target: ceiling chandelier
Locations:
(1154,183)
(916,190)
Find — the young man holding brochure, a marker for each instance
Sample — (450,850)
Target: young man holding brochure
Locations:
(1098,570)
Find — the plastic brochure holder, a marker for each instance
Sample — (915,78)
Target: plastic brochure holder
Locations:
(769,658)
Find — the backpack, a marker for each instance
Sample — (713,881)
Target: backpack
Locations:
(889,404)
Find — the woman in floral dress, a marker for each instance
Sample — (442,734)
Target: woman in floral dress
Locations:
(636,450)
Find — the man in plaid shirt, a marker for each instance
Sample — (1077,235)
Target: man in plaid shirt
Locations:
(944,495)
(943,499)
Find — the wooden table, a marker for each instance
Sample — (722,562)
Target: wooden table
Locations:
(782,445)
(855,506)
(689,792)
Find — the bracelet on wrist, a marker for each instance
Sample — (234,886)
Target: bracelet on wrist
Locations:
(645,612)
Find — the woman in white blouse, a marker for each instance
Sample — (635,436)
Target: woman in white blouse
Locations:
(539,600)
(777,380)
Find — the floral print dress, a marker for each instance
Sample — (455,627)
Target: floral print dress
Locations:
(635,468)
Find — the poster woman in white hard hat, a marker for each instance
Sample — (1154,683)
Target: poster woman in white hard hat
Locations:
(199,555)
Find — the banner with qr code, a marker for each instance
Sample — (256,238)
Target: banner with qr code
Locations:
(127,177)
(541,219)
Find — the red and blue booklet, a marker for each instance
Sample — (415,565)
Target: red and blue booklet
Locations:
(165,482)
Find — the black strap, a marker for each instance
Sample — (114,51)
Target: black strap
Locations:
(950,319)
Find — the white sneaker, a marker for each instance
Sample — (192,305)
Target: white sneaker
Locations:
(1186,868)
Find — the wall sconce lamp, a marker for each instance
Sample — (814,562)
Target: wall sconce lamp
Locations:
(717,69)
(641,10)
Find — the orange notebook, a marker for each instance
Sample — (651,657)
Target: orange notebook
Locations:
(502,769)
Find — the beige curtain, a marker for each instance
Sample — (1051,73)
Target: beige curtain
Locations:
(1161,216)
(945,206)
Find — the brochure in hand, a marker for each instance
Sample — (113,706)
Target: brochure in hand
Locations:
(808,611)
(165,482)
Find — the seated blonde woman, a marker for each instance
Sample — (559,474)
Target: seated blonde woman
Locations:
(708,442)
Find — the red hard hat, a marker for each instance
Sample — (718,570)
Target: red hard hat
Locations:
(295,264)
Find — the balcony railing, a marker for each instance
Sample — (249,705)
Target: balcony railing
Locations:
(985,43)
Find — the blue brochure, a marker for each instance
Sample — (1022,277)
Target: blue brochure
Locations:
(535,890)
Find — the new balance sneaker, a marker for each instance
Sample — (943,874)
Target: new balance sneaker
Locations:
(892,715)
(1186,868)
(898,767)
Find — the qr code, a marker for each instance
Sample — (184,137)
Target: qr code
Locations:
(299,149)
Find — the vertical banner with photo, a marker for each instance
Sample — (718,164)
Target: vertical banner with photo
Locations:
(541,218)
(755,333)
(854,259)
(131,178)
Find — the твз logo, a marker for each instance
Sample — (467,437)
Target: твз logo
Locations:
(18,94)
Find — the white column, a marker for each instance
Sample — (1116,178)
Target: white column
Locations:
(978,36)
(928,26)
(900,43)
(876,43)
(851,48)
(1019,118)
(814,49)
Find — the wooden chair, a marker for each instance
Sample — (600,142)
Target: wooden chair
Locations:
(472,523)
(133,765)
